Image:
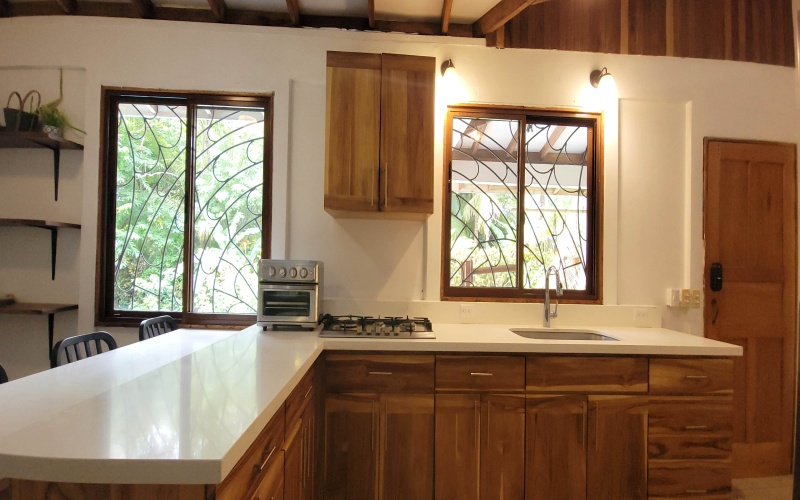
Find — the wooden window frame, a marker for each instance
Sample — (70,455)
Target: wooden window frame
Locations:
(594,251)
(105,315)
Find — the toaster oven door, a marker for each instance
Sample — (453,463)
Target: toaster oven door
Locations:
(287,303)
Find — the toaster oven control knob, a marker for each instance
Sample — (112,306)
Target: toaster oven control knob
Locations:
(293,272)
(303,272)
(271,271)
(282,272)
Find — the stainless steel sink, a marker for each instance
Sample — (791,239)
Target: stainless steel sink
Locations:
(561,334)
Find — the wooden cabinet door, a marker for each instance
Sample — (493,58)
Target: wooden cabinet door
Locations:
(502,427)
(352,131)
(350,447)
(457,447)
(406,447)
(293,468)
(406,151)
(617,447)
(309,445)
(271,486)
(555,465)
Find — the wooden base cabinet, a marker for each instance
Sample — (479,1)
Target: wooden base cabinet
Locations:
(378,447)
(480,446)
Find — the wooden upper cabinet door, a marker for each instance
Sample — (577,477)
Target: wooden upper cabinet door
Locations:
(617,447)
(406,447)
(457,446)
(502,425)
(352,131)
(555,463)
(407,113)
(351,447)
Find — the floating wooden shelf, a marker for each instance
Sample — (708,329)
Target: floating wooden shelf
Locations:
(38,140)
(52,226)
(39,309)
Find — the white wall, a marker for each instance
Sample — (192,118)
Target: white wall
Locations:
(653,159)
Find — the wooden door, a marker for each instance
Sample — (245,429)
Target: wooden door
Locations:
(617,447)
(300,460)
(457,446)
(751,229)
(502,475)
(271,486)
(407,114)
(350,447)
(352,131)
(555,465)
(406,447)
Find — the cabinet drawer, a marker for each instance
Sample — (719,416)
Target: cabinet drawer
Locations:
(691,376)
(676,416)
(298,400)
(354,372)
(249,471)
(586,374)
(480,373)
(688,478)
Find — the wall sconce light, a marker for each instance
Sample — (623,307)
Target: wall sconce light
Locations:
(448,66)
(597,75)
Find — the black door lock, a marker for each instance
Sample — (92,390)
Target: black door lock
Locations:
(715,277)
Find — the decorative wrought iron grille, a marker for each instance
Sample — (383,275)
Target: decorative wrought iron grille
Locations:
(164,152)
(520,190)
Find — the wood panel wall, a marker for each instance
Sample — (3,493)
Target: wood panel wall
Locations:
(759,31)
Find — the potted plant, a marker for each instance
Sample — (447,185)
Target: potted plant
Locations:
(54,120)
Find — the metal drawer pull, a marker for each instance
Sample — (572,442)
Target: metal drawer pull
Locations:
(380,373)
(308,392)
(695,427)
(481,374)
(264,463)
(696,376)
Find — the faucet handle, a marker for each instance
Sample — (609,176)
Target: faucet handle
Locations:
(554,312)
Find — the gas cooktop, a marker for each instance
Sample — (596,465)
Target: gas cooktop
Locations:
(389,327)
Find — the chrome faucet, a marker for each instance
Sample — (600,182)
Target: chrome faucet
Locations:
(559,292)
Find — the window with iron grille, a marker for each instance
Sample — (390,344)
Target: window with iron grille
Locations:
(184,207)
(523,193)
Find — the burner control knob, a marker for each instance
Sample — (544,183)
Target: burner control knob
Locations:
(282,272)
(303,272)
(293,272)
(271,271)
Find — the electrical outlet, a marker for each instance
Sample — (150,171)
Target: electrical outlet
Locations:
(697,298)
(466,313)
(686,297)
(641,317)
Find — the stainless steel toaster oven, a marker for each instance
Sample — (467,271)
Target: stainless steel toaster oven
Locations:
(289,293)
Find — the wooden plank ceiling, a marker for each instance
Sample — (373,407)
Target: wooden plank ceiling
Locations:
(758,31)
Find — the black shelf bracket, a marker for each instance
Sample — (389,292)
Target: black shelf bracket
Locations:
(53,247)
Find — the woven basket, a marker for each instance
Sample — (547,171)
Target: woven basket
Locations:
(19,120)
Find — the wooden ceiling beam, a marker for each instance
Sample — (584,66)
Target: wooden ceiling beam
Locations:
(145,8)
(371,13)
(294,11)
(551,139)
(447,7)
(220,10)
(68,6)
(500,14)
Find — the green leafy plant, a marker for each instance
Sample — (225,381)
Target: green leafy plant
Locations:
(49,114)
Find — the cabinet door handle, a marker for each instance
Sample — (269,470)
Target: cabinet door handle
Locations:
(697,377)
(372,432)
(385,184)
(481,374)
(308,392)
(380,373)
(259,468)
(695,427)
(477,425)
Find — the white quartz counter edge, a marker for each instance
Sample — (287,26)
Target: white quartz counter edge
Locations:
(190,416)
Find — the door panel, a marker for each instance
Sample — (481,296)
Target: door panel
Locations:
(457,446)
(406,455)
(502,475)
(350,434)
(750,227)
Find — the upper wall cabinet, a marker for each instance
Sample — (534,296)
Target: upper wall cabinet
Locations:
(379,135)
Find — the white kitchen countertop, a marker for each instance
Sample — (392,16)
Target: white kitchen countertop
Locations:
(183,407)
